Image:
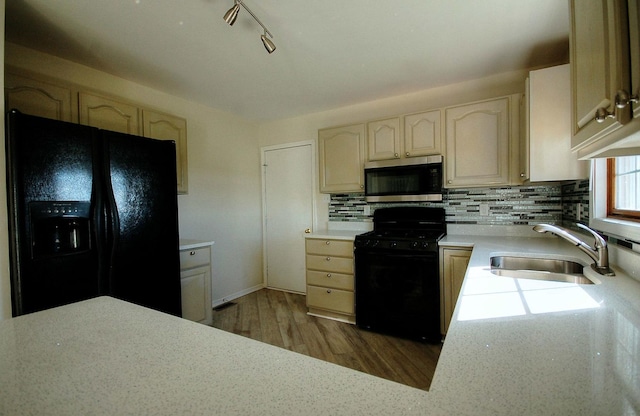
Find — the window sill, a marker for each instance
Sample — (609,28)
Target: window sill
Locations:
(627,230)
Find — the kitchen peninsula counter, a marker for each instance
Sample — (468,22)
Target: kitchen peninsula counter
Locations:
(504,354)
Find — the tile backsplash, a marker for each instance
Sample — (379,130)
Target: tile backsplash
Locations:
(513,205)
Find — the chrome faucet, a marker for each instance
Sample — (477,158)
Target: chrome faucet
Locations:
(599,253)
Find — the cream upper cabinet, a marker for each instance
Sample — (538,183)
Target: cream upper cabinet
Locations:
(600,61)
(453,267)
(422,134)
(546,134)
(481,143)
(412,135)
(108,114)
(162,126)
(341,152)
(38,98)
(383,139)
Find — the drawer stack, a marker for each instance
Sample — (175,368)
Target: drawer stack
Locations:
(330,282)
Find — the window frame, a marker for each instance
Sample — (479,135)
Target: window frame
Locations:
(612,211)
(598,218)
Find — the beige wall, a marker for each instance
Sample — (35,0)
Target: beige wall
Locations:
(306,127)
(224,200)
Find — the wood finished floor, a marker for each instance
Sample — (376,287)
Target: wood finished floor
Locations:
(280,318)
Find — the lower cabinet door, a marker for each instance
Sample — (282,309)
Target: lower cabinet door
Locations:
(194,294)
(330,299)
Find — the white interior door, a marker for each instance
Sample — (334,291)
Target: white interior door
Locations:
(288,200)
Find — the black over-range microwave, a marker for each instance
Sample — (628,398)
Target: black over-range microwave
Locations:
(402,180)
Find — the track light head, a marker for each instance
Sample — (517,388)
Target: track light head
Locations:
(232,14)
(268,44)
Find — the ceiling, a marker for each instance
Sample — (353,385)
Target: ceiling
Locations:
(330,53)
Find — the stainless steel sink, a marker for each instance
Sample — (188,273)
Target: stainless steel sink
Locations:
(539,269)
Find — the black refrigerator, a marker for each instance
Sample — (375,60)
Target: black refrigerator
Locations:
(91,213)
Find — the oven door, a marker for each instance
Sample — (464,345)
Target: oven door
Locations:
(398,292)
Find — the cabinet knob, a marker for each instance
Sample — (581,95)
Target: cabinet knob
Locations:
(328,242)
(328,274)
(192,253)
(307,231)
(449,181)
(407,154)
(396,155)
(328,258)
(328,290)
(602,114)
(623,99)
(522,174)
(361,186)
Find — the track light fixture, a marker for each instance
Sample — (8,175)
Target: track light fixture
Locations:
(232,14)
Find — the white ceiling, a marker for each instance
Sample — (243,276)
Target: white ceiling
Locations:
(330,53)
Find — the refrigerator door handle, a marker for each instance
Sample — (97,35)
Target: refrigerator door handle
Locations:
(110,215)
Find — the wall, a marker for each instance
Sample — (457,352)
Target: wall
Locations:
(306,127)
(224,199)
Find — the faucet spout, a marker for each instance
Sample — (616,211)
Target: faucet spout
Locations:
(599,252)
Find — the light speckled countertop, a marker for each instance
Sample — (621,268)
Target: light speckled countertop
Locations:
(187,243)
(512,348)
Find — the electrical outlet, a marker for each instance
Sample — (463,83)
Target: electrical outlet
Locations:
(578,211)
(484,209)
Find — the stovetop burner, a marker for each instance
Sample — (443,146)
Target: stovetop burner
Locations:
(408,228)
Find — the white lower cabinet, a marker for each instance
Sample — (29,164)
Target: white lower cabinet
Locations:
(330,282)
(195,280)
(453,267)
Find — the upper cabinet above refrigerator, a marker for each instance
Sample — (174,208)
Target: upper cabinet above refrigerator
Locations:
(57,100)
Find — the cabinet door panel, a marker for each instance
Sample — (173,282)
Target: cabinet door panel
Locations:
(383,139)
(477,138)
(422,136)
(167,127)
(108,114)
(599,66)
(342,155)
(37,98)
(194,294)
(454,268)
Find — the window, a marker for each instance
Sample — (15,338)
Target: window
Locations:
(623,190)
(600,217)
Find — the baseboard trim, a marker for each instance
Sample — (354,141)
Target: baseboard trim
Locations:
(217,302)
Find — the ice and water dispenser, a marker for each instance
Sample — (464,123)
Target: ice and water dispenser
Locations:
(59,228)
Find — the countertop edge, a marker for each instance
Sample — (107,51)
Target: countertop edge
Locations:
(187,243)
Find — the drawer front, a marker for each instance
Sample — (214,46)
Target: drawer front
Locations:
(329,279)
(330,299)
(342,248)
(330,264)
(194,257)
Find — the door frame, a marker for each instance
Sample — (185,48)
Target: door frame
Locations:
(314,193)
